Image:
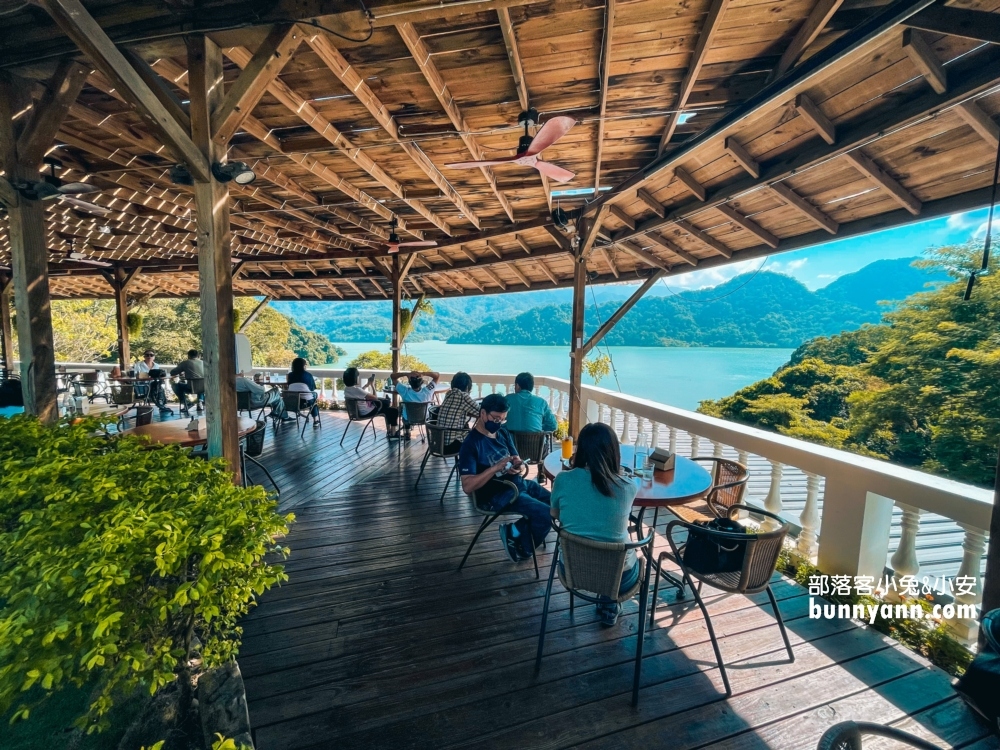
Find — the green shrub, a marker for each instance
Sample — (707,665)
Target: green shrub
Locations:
(116,558)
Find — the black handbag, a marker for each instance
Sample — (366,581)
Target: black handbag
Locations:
(704,553)
(980,685)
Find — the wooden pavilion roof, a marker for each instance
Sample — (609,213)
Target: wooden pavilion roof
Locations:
(804,121)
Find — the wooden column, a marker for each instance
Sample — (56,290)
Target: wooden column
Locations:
(214,257)
(576,348)
(397,301)
(6,337)
(117,282)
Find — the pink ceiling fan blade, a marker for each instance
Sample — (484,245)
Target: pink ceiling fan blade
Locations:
(424,243)
(556,173)
(484,163)
(551,132)
(91,208)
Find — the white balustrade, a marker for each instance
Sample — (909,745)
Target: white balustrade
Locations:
(904,560)
(673,439)
(716,449)
(773,502)
(809,519)
(968,584)
(695,443)
(655,438)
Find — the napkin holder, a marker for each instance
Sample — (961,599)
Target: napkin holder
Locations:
(193,425)
(663,460)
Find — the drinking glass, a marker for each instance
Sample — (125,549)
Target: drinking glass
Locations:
(567,448)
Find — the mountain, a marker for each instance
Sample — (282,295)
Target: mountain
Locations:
(767,309)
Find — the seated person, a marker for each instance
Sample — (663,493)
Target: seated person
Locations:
(415,390)
(261,397)
(369,403)
(301,381)
(147,369)
(455,411)
(488,453)
(192,368)
(594,500)
(528,412)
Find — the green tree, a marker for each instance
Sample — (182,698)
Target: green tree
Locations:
(376,360)
(408,316)
(84,330)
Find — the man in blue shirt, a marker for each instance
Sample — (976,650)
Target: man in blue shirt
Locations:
(488,453)
(526,411)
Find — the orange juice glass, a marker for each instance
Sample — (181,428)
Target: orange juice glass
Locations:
(567,447)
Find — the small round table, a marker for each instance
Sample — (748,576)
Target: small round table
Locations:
(175,432)
(687,481)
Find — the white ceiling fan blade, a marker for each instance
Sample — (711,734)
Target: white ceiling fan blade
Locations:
(551,132)
(555,172)
(78,188)
(90,208)
(424,243)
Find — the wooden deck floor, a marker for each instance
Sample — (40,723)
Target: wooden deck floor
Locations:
(376,641)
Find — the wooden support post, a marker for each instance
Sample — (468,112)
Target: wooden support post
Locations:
(620,313)
(576,350)
(6,332)
(397,301)
(118,285)
(214,257)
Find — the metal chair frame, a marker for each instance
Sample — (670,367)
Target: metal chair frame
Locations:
(616,553)
(418,418)
(354,415)
(847,736)
(245,456)
(492,515)
(243,405)
(293,403)
(436,447)
(723,495)
(752,578)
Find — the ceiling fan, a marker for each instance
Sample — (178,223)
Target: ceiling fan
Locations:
(50,187)
(529,148)
(80,257)
(394,244)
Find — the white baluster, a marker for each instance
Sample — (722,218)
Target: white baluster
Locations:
(655,439)
(742,457)
(716,449)
(552,401)
(626,418)
(673,439)
(773,502)
(967,628)
(563,404)
(695,442)
(613,419)
(809,519)
(904,560)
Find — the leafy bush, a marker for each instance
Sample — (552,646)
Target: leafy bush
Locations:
(116,558)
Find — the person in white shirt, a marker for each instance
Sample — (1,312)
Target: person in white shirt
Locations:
(368,403)
(415,390)
(261,397)
(144,370)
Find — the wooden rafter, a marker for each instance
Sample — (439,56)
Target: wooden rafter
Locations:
(690,183)
(793,199)
(819,122)
(603,76)
(646,257)
(816,21)
(748,224)
(981,122)
(705,238)
(672,247)
(884,180)
(980,25)
(48,114)
(512,267)
(742,157)
(923,57)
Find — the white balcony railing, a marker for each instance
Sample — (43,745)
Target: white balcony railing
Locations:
(848,510)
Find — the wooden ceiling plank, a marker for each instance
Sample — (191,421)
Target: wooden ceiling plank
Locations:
(80,26)
(604,74)
(422,56)
(323,46)
(705,238)
(47,114)
(244,94)
(884,180)
(713,22)
(981,122)
(742,156)
(690,183)
(819,122)
(748,224)
(671,247)
(793,199)
(923,57)
(815,22)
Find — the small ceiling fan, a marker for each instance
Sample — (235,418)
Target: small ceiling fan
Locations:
(80,257)
(50,187)
(394,244)
(529,148)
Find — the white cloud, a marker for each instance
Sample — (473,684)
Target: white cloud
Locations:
(961,221)
(980,232)
(712,276)
(828,276)
(794,265)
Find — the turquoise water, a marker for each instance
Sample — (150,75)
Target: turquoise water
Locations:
(678,376)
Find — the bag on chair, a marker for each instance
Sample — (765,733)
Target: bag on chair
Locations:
(980,685)
(704,553)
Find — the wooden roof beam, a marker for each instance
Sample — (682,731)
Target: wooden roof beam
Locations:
(603,75)
(548,272)
(671,247)
(645,256)
(524,245)
(979,121)
(749,225)
(422,56)
(651,203)
(430,282)
(980,25)
(690,183)
(623,217)
(815,22)
(592,228)
(494,278)
(512,267)
(705,238)
(606,257)
(786,195)
(819,122)
(713,21)
(324,47)
(884,180)
(923,57)
(47,115)
(356,288)
(742,157)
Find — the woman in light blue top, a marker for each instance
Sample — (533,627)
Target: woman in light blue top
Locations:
(593,500)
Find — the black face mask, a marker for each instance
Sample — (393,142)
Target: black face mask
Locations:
(492,426)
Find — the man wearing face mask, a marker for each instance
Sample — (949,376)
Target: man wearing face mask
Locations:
(488,453)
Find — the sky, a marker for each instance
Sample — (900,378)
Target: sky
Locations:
(818,265)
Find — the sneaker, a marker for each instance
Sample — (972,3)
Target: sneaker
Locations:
(607,614)
(510,543)
(315,424)
(200,407)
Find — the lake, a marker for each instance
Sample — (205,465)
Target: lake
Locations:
(678,376)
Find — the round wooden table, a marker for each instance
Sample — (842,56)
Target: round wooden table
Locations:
(175,432)
(687,481)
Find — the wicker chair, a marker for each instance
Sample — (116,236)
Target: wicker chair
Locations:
(729,485)
(533,447)
(847,736)
(759,563)
(300,403)
(414,414)
(481,507)
(436,447)
(251,447)
(354,415)
(592,569)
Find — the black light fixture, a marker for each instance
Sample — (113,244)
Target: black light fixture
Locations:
(560,218)
(235,171)
(180,175)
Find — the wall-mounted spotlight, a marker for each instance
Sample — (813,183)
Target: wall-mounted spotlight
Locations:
(179,175)
(235,171)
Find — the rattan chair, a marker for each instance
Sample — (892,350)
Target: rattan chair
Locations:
(300,404)
(729,485)
(481,507)
(532,447)
(436,447)
(251,447)
(414,414)
(759,563)
(592,569)
(847,736)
